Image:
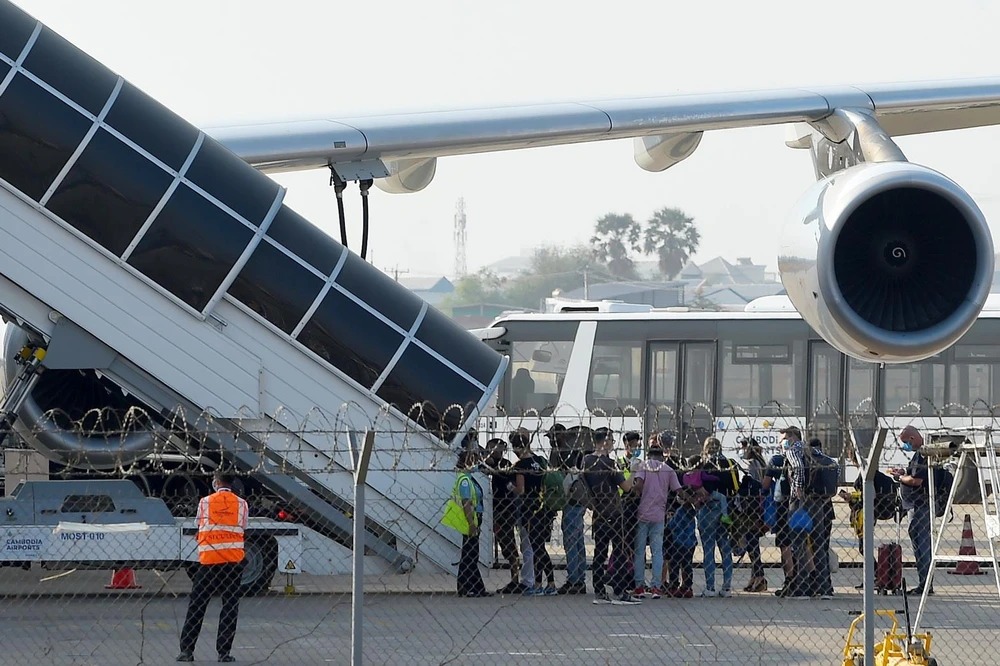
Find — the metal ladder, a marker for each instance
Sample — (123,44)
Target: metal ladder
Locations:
(979,445)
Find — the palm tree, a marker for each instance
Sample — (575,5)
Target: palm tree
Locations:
(673,238)
(614,237)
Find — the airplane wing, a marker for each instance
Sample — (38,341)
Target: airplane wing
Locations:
(666,129)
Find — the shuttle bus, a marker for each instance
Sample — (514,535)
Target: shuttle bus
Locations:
(731,375)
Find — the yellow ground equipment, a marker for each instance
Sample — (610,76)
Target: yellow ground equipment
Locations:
(891,651)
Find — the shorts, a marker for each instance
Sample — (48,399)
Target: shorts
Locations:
(782,532)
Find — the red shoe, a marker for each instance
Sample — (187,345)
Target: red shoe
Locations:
(640,592)
(685,593)
(671,592)
(654,592)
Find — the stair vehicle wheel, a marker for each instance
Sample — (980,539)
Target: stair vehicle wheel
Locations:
(259,564)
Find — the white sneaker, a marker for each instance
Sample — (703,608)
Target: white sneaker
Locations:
(724,592)
(707,593)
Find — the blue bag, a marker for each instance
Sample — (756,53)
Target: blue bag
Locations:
(800,521)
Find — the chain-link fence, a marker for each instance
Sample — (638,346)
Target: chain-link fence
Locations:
(100,551)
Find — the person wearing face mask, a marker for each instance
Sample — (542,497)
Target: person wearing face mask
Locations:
(795,470)
(913,482)
(222,520)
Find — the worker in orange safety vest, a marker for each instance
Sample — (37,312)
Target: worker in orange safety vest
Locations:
(222,520)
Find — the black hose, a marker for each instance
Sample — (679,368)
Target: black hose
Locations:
(338,187)
(364,185)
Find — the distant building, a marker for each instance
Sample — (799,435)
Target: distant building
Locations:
(657,294)
(432,289)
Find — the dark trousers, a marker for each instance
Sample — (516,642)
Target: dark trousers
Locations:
(680,569)
(822,513)
(208,581)
(920,539)
(470,580)
(609,532)
(503,531)
(539,532)
(753,552)
(802,578)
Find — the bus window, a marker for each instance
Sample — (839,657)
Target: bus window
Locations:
(615,379)
(914,388)
(974,378)
(761,378)
(537,371)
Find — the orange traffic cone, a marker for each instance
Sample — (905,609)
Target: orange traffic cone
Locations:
(968,547)
(123,579)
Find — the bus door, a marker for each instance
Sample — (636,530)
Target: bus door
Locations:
(825,413)
(681,391)
(841,401)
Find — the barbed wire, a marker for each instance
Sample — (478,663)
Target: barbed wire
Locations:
(61,549)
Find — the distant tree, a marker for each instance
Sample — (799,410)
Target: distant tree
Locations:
(701,302)
(615,236)
(550,268)
(483,286)
(554,268)
(673,238)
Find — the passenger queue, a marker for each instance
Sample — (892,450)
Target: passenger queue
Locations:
(653,501)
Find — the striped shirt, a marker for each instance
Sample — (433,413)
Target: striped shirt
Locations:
(796,467)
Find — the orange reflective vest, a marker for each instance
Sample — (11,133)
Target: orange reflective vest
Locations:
(222,519)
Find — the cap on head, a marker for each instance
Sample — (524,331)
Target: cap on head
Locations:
(666,439)
(816,443)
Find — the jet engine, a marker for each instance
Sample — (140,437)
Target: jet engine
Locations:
(889,262)
(78,417)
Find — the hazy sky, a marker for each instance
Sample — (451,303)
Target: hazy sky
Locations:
(216,62)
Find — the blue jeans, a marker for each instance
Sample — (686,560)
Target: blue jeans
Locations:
(714,534)
(653,533)
(576,552)
(920,539)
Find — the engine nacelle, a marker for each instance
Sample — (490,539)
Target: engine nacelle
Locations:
(889,262)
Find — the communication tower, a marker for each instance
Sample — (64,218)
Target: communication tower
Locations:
(460,237)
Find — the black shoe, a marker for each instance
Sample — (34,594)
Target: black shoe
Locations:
(185,656)
(227,658)
(859,586)
(573,588)
(512,587)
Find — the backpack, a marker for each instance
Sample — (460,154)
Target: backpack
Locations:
(575,488)
(823,473)
(887,502)
(554,495)
(943,481)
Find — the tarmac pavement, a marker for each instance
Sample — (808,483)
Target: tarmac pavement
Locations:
(423,622)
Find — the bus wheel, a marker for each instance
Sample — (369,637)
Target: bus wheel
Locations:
(259,564)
